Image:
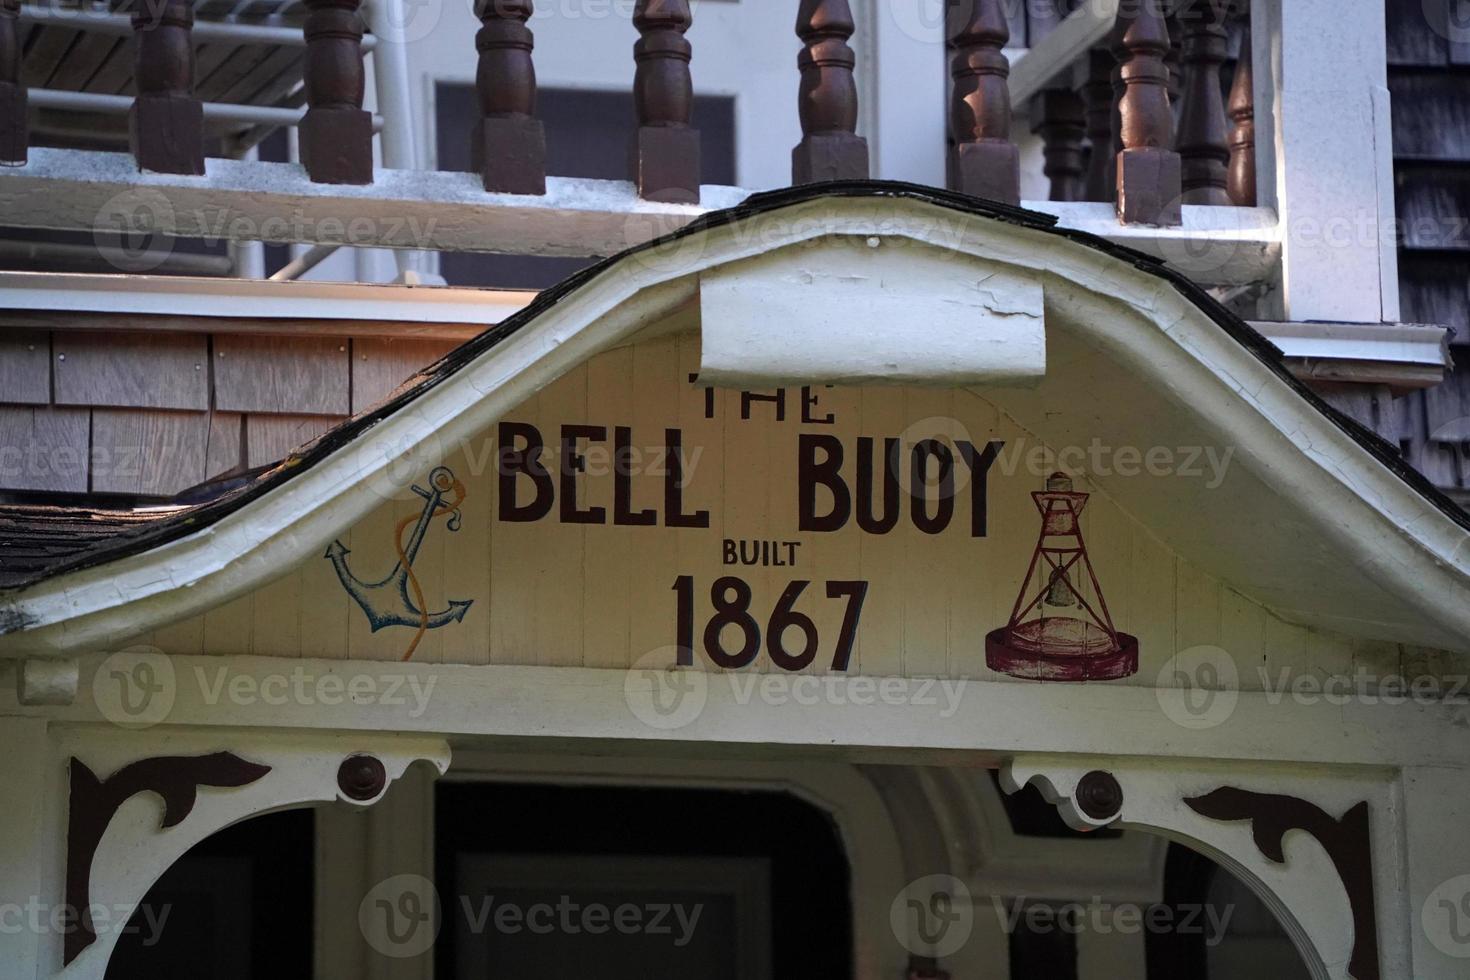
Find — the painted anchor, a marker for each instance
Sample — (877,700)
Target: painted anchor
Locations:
(398,600)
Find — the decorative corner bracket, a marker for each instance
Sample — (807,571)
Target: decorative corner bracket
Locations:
(94,802)
(1346,841)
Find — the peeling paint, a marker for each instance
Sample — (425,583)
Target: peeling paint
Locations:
(14,621)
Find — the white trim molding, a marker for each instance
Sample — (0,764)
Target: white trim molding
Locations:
(275,202)
(1387,561)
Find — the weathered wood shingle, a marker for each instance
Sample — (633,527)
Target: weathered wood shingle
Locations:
(1429,79)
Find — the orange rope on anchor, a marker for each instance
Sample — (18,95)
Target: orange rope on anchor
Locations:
(413,580)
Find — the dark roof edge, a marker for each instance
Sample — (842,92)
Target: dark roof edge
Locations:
(173,528)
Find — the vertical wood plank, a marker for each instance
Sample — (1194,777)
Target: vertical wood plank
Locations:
(467,555)
(968,587)
(651,613)
(277,627)
(925,611)
(557,566)
(821,558)
(326,610)
(705,459)
(182,639)
(607,589)
(879,651)
(372,556)
(512,560)
(229,629)
(1154,622)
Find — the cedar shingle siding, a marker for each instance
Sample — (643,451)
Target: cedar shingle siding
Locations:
(146,417)
(1429,80)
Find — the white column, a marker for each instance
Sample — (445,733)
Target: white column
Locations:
(1436,809)
(30,814)
(394,27)
(1325,155)
(364,856)
(249,257)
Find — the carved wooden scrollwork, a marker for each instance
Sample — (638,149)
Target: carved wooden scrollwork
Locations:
(94,802)
(1346,841)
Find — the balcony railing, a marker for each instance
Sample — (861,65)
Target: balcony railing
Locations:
(1142,144)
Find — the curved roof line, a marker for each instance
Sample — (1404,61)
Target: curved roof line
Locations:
(140,537)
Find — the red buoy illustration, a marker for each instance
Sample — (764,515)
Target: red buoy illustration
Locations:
(1081,645)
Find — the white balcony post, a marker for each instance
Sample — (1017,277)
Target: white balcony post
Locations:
(1326,156)
(249,257)
(390,24)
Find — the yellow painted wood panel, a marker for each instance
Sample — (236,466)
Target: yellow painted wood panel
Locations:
(572,586)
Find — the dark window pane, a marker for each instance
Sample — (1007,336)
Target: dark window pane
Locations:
(588,134)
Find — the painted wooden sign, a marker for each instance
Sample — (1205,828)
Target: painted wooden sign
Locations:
(627,515)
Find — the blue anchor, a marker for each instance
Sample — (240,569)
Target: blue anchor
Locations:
(389,602)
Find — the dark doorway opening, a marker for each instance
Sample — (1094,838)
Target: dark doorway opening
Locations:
(504,849)
(237,905)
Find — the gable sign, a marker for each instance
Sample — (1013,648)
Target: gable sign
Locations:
(627,509)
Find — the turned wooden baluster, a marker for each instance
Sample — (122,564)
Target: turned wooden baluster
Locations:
(1202,144)
(508,143)
(14,131)
(166,122)
(1240,179)
(666,149)
(1149,177)
(830,148)
(336,135)
(983,161)
(1062,126)
(1097,93)
(1120,54)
